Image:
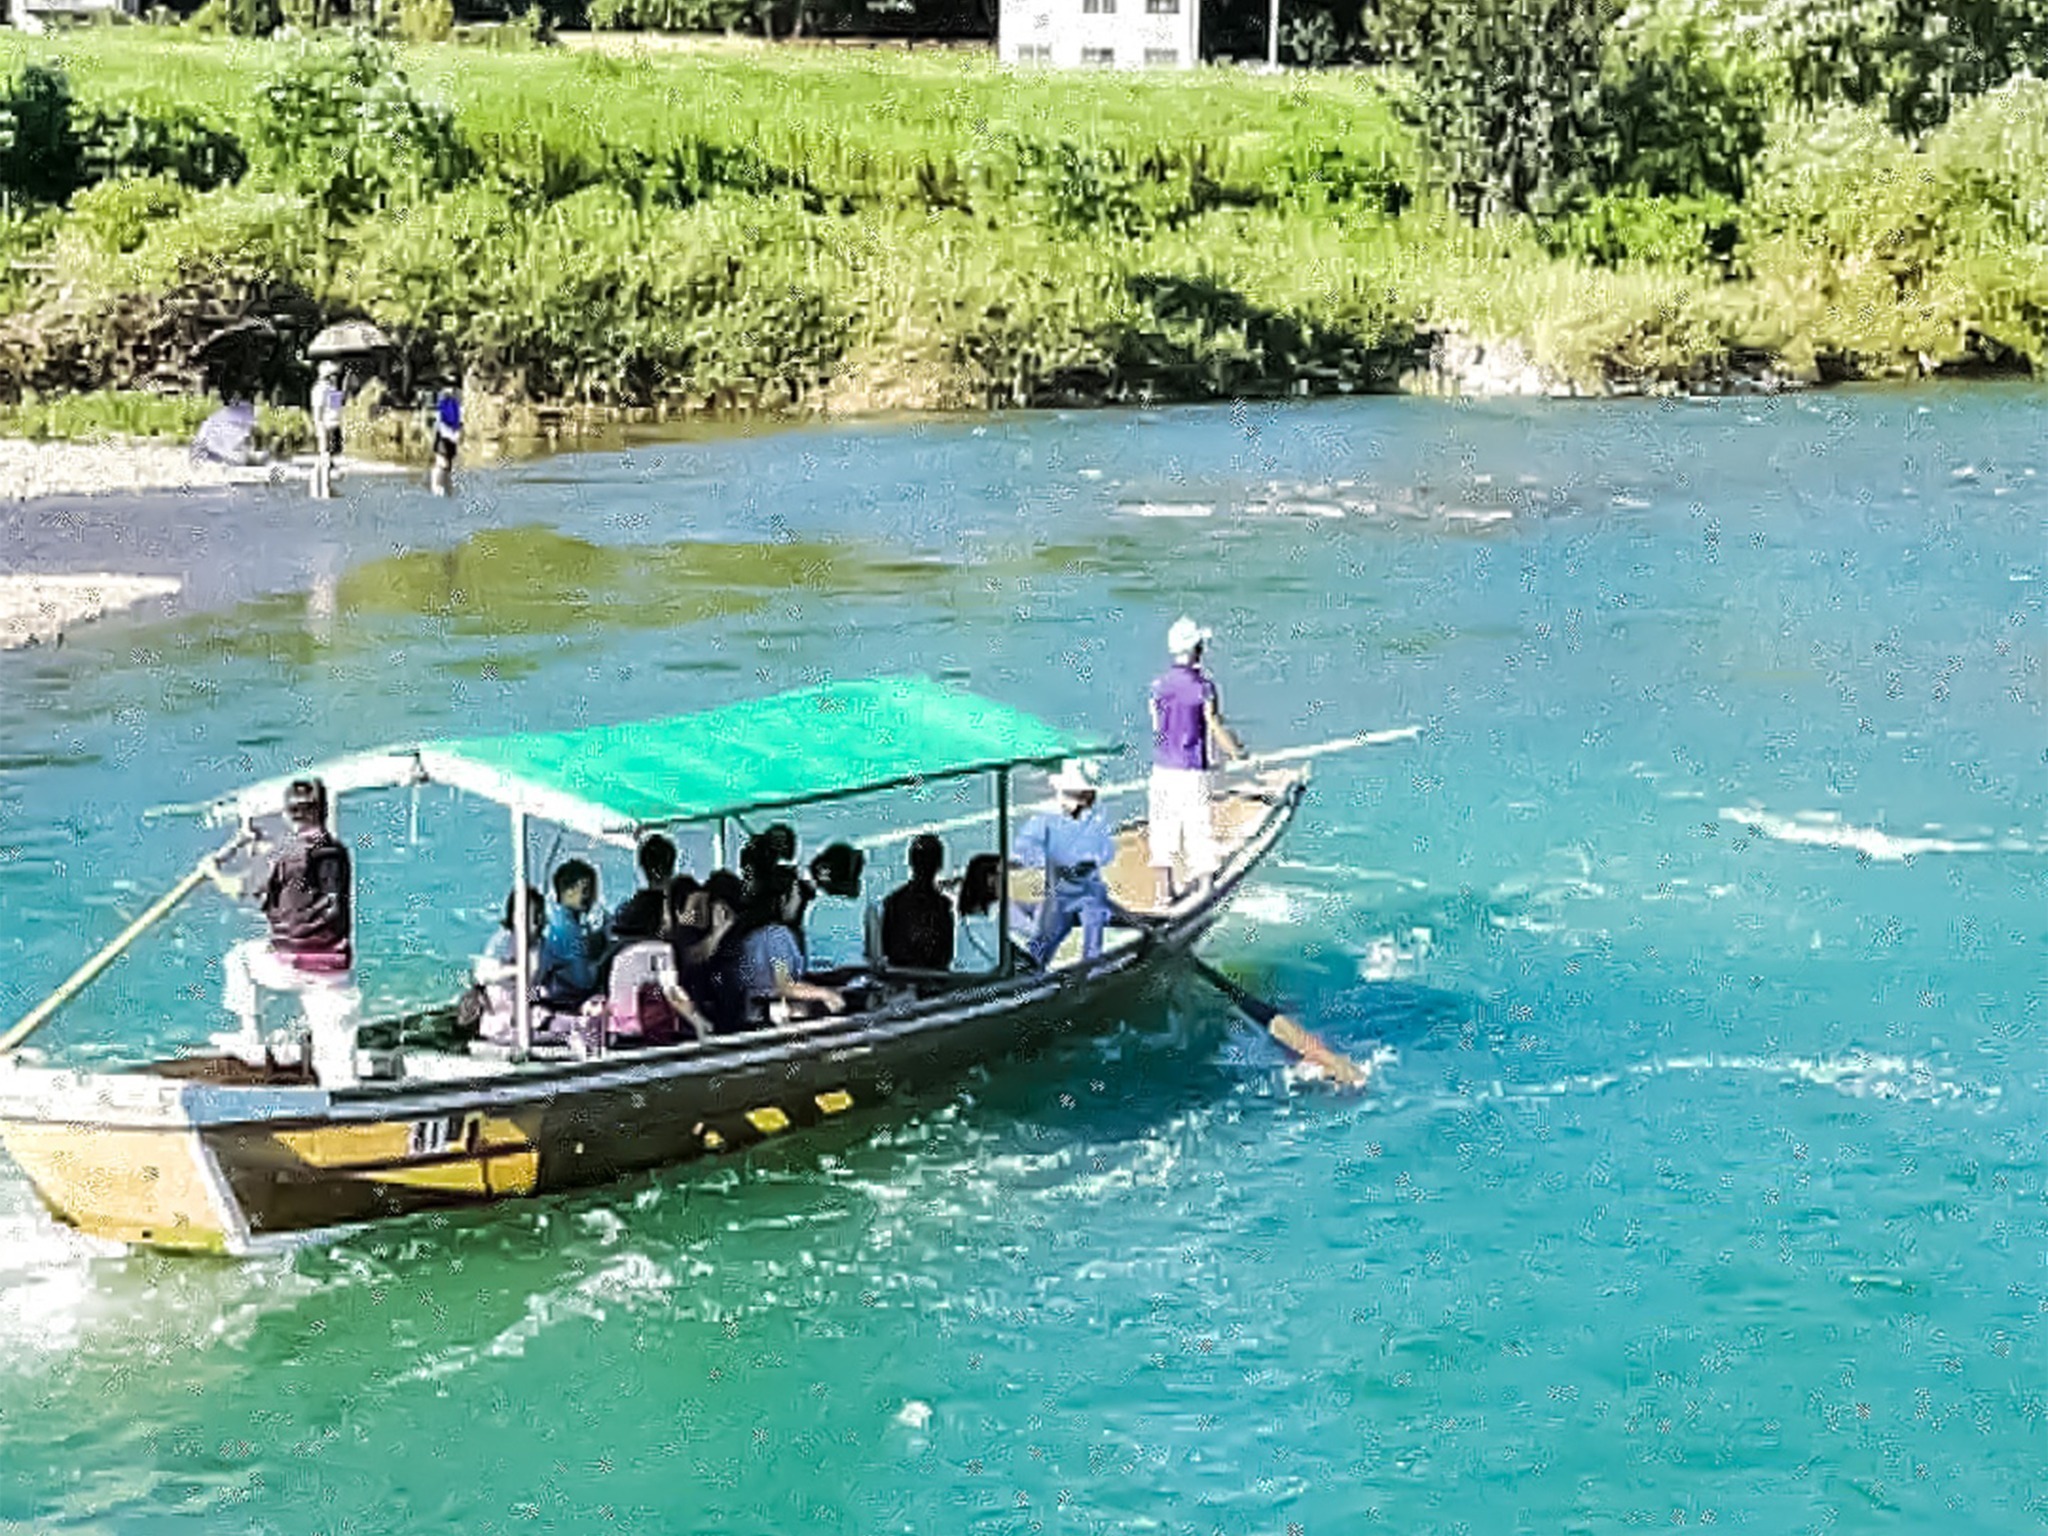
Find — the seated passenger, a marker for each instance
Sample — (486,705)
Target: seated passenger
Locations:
(977,944)
(494,967)
(916,927)
(640,915)
(710,967)
(765,859)
(565,976)
(647,1004)
(832,934)
(489,1005)
(771,959)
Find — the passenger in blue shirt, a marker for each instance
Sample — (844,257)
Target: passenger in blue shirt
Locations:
(565,976)
(1075,847)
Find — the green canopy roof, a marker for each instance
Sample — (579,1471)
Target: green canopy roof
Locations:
(815,744)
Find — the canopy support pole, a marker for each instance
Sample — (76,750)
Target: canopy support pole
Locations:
(721,853)
(522,946)
(1006,962)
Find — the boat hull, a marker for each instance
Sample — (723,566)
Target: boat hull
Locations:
(199,1161)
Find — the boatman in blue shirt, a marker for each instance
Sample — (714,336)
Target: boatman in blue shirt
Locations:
(1075,847)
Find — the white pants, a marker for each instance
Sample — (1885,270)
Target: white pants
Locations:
(1180,820)
(330,1002)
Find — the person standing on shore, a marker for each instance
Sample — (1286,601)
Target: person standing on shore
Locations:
(447,427)
(326,405)
(1186,713)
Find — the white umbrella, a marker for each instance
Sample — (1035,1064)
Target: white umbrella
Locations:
(350,338)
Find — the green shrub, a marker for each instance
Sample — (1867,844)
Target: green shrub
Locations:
(426,21)
(227,235)
(1619,229)
(338,123)
(1683,114)
(136,414)
(41,156)
(175,142)
(252,18)
(114,217)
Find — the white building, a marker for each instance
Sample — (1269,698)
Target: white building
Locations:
(49,15)
(1100,34)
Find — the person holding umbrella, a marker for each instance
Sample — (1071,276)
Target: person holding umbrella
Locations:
(326,405)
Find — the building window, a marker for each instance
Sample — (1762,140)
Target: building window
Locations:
(1034,53)
(1098,7)
(1158,56)
(1162,7)
(1098,56)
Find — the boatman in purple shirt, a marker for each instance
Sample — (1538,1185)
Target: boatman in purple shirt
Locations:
(1186,713)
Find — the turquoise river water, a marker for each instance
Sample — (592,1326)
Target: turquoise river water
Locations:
(1700,928)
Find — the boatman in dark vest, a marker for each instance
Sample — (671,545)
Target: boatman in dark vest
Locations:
(310,949)
(1186,714)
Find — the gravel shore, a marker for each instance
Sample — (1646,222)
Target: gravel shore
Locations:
(37,610)
(88,469)
(69,511)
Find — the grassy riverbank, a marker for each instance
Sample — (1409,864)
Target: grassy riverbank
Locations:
(751,228)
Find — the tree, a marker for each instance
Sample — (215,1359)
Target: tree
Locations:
(1508,93)
(1914,58)
(339,124)
(41,156)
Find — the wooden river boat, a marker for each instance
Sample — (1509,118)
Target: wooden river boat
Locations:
(202,1151)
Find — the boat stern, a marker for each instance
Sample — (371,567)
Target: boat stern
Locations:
(117,1157)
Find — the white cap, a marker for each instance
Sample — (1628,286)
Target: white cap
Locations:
(329,367)
(1077,776)
(1185,635)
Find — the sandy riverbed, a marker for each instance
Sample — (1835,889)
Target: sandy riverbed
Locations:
(54,573)
(38,609)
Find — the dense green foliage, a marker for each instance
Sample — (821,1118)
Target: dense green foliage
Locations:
(738,228)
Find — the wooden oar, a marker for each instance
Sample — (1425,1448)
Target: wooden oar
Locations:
(1309,1047)
(83,976)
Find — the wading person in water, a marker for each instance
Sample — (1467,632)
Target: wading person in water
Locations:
(447,428)
(1186,714)
(310,949)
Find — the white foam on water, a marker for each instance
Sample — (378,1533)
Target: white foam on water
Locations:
(915,1414)
(1395,956)
(1371,1061)
(1856,1074)
(1479,519)
(630,1279)
(46,1275)
(1167,509)
(1826,829)
(1263,906)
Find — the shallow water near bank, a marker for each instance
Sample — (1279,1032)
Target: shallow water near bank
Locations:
(1702,920)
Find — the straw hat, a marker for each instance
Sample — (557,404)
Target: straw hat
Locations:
(1077,776)
(1185,635)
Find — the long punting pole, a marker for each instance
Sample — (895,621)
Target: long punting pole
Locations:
(1005,961)
(1131,786)
(522,959)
